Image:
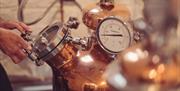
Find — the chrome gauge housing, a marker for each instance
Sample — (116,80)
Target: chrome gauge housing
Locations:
(114,35)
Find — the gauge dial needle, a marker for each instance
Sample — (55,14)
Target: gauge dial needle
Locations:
(112,35)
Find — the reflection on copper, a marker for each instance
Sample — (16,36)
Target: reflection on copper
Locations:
(155,59)
(103,83)
(64,58)
(152,74)
(78,54)
(95,12)
(131,56)
(160,69)
(86,59)
(76,69)
(134,56)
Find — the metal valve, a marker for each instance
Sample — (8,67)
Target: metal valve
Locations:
(26,35)
(33,57)
(84,43)
(72,23)
(52,39)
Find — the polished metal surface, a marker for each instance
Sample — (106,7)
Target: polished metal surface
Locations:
(153,63)
(49,42)
(83,70)
(113,31)
(95,12)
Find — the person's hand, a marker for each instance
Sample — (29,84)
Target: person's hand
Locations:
(14,25)
(12,45)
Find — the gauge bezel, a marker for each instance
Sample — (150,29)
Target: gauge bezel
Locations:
(52,50)
(98,33)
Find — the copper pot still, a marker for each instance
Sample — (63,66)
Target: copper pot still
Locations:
(95,12)
(74,69)
(83,70)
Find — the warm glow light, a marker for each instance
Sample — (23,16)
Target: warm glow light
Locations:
(155,59)
(134,56)
(161,68)
(140,53)
(131,56)
(94,11)
(146,53)
(103,83)
(86,59)
(152,74)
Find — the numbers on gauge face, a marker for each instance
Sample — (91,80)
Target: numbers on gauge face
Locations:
(113,35)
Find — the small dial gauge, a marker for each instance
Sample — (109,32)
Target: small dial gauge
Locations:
(113,35)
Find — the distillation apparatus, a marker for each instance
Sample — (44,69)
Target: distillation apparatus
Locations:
(80,64)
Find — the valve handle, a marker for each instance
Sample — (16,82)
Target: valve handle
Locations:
(72,23)
(27,35)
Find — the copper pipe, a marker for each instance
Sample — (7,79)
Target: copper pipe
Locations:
(61,2)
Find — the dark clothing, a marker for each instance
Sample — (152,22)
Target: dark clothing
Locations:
(5,84)
(59,83)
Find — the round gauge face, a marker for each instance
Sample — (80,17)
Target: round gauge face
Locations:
(113,35)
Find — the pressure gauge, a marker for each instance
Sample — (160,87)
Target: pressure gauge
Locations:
(113,35)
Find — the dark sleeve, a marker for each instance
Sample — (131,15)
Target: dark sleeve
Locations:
(5,84)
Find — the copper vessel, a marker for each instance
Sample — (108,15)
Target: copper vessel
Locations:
(95,12)
(73,70)
(83,72)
